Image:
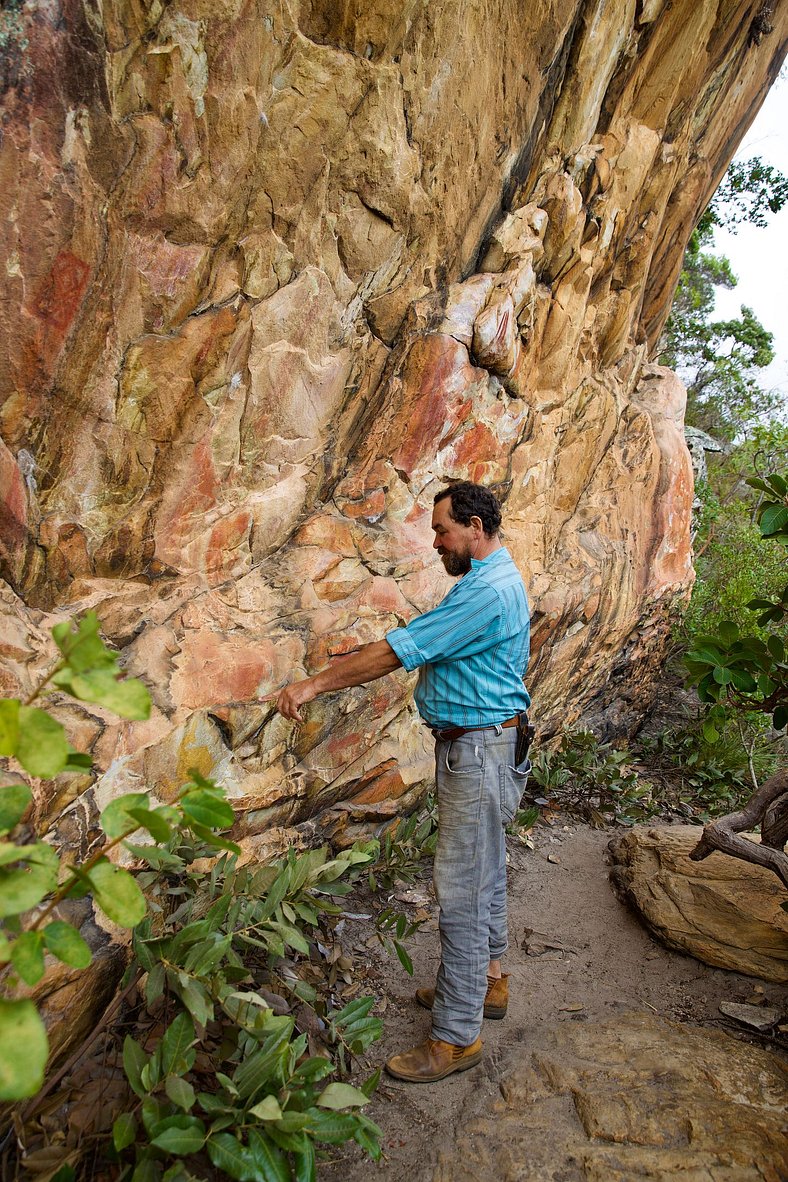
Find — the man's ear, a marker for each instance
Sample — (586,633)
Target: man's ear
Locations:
(477,521)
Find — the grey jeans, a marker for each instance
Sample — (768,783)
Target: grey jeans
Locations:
(479,791)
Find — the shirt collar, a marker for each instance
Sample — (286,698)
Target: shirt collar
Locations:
(496,556)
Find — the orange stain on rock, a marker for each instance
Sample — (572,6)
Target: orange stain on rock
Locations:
(61,293)
(440,374)
(225,539)
(383,782)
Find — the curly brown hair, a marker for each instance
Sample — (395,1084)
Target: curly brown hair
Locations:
(473,500)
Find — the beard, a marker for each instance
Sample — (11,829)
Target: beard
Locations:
(457,564)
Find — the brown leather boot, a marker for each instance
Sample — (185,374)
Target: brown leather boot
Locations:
(495,1001)
(433,1060)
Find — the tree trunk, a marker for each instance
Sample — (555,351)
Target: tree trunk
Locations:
(769,808)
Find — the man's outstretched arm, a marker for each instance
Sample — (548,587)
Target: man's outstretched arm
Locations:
(371,661)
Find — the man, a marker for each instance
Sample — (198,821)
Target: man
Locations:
(471,652)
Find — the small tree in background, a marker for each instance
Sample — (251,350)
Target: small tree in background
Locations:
(721,362)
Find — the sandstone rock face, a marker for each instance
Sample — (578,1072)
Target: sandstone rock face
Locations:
(723,911)
(273,272)
(635,1098)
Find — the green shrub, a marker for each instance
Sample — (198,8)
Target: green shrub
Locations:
(594,779)
(211,940)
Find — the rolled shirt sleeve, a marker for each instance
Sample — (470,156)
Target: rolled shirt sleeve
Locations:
(471,650)
(465,622)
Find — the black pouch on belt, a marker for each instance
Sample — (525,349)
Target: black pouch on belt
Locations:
(525,734)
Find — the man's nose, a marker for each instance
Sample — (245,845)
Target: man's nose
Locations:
(436,545)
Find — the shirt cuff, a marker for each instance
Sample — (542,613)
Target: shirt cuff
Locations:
(405,648)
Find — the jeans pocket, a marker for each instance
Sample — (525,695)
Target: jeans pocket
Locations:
(523,771)
(463,756)
(514,782)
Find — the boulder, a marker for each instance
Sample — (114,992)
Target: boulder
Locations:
(722,910)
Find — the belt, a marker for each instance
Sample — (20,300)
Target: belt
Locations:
(450,733)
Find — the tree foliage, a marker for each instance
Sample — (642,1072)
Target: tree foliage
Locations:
(740,671)
(749,192)
(720,360)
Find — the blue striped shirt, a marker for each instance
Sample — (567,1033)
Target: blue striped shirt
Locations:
(472,649)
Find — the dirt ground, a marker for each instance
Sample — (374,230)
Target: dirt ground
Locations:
(576,955)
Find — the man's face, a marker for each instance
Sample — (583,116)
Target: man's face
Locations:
(454,542)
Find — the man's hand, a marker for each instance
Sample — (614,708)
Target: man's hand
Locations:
(357,668)
(292,697)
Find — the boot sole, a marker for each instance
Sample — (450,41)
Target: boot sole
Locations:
(493,1012)
(463,1065)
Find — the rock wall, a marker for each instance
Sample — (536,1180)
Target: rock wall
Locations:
(274,270)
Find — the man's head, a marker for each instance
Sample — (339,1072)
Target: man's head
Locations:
(465,520)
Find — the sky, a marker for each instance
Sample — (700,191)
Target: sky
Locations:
(759,257)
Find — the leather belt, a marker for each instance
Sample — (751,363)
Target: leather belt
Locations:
(450,733)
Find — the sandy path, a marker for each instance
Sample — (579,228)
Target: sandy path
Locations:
(602,964)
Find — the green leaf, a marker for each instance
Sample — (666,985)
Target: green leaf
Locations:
(710,732)
(14,800)
(341,1095)
(9,725)
(314,1069)
(27,956)
(127,696)
(154,986)
(289,1142)
(369,1085)
(9,852)
(117,894)
(177,1039)
(729,632)
(153,822)
(776,648)
(153,1113)
(404,958)
(260,1066)
(81,645)
(292,937)
(230,1156)
(124,1131)
(773,520)
(207,809)
(147,1169)
(24,1050)
(742,681)
(181,1135)
(333,1127)
(305,991)
(272,1166)
(353,1010)
(42,747)
(64,941)
(116,820)
(134,1059)
(368,1136)
(213,839)
(22,888)
(267,1109)
(78,761)
(780,717)
(180,1091)
(196,999)
(304,1169)
(155,856)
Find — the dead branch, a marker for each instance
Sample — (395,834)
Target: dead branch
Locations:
(768,807)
